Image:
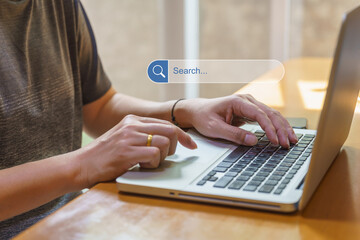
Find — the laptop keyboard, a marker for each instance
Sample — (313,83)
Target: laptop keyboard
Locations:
(263,168)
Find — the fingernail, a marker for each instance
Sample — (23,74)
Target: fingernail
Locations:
(276,140)
(194,144)
(250,139)
(294,135)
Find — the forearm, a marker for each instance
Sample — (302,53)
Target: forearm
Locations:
(33,184)
(119,105)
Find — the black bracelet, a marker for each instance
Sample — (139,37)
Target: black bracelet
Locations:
(172,112)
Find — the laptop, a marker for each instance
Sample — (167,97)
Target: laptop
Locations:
(264,176)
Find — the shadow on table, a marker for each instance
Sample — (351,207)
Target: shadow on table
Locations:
(333,200)
(333,212)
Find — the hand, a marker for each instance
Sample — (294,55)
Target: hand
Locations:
(124,146)
(221,118)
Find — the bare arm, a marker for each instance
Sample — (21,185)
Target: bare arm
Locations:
(103,114)
(30,185)
(33,184)
(218,118)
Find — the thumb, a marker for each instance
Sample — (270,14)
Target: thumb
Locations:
(185,139)
(235,134)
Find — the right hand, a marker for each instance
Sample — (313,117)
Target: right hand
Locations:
(124,146)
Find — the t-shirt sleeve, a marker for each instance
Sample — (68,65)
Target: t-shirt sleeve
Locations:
(94,81)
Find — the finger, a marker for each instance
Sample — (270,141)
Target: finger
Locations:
(253,112)
(284,130)
(161,142)
(151,157)
(235,134)
(171,131)
(183,138)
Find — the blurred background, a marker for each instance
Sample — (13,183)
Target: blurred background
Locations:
(132,33)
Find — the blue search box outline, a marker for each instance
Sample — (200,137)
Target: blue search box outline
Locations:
(218,70)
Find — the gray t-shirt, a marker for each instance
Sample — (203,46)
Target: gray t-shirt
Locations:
(49,69)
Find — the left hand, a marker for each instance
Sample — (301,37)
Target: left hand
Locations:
(221,118)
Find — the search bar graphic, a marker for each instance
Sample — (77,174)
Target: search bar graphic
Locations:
(214,71)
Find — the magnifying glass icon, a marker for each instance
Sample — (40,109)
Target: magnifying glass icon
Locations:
(158,67)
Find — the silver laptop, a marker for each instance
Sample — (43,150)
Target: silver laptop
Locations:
(263,176)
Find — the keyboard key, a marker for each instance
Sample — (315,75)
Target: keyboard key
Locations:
(201,182)
(282,186)
(259,132)
(300,162)
(223,182)
(266,189)
(289,176)
(283,168)
(266,169)
(251,169)
(250,188)
(302,145)
(297,167)
(236,185)
(211,173)
(231,174)
(285,181)
(271,182)
(207,177)
(255,165)
(236,154)
(278,191)
(240,165)
(289,160)
(285,164)
(275,177)
(265,155)
(310,135)
(270,165)
(299,148)
(279,173)
(244,161)
(225,164)
(258,178)
(293,171)
(274,161)
(213,179)
(255,183)
(282,151)
(243,178)
(235,169)
(220,169)
(249,157)
(263,174)
(247,173)
(292,156)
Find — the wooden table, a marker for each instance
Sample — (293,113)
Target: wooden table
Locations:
(332,213)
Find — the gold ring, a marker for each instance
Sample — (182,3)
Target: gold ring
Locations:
(149,140)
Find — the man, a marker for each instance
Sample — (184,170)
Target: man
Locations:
(53,86)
